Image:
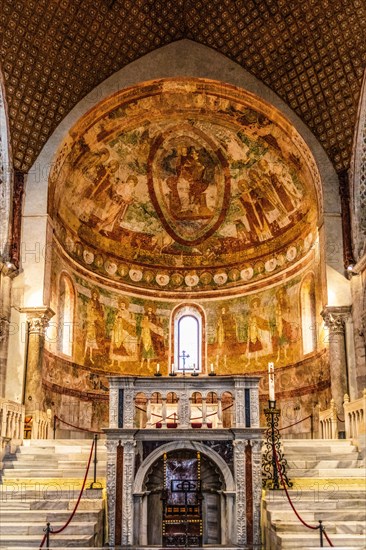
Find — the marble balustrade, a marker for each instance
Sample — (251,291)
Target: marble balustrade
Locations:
(11,422)
(355,416)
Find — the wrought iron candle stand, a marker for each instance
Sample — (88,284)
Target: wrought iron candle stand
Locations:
(273,451)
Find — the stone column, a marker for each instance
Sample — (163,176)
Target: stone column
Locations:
(37,319)
(335,320)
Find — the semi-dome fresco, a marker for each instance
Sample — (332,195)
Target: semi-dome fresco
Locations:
(185,185)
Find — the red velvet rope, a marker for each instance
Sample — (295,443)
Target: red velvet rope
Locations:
(77,427)
(294,424)
(77,502)
(279,469)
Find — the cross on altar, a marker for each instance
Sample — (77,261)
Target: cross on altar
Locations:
(184,356)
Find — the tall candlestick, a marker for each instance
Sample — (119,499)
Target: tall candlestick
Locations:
(271,383)
(212,369)
(157,367)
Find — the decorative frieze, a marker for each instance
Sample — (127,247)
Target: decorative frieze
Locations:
(239,465)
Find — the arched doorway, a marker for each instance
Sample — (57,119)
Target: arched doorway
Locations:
(184,500)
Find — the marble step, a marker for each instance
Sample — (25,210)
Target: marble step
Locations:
(356,514)
(322,464)
(318,442)
(343,527)
(320,506)
(57,503)
(43,516)
(56,541)
(36,528)
(15,474)
(48,464)
(320,491)
(306,539)
(327,472)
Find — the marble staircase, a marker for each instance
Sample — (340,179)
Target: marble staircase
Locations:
(329,485)
(40,483)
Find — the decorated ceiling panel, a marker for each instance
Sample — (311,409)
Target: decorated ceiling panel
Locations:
(53,52)
(185,185)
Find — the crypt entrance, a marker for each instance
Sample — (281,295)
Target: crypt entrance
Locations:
(187,483)
(184,490)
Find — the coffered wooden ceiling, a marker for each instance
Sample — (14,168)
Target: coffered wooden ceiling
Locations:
(311,53)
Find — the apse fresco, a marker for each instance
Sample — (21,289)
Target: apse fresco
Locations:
(185,186)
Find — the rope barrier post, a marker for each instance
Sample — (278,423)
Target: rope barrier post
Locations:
(94,482)
(312,425)
(48,530)
(54,426)
(321,528)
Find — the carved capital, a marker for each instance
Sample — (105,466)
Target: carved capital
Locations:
(335,318)
(38,319)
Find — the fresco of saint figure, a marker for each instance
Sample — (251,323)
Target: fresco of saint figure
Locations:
(285,331)
(95,328)
(123,336)
(226,335)
(151,338)
(122,195)
(259,333)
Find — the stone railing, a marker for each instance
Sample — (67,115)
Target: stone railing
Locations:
(37,425)
(184,402)
(11,422)
(355,416)
(328,422)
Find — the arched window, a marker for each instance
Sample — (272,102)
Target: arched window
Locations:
(188,340)
(308,314)
(66,315)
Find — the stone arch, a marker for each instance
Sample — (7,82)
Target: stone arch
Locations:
(189,445)
(141,496)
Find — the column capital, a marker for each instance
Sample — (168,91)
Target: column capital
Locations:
(335,318)
(38,318)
